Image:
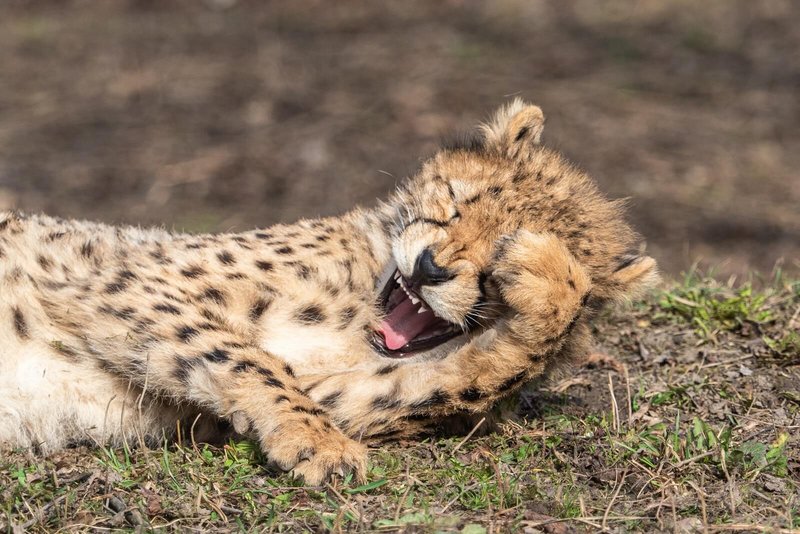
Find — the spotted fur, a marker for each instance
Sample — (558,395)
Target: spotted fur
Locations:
(110,334)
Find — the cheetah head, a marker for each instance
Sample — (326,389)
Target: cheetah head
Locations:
(451,217)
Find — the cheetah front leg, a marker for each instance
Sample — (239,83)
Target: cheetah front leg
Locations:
(208,366)
(545,288)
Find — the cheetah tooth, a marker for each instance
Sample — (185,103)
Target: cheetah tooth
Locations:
(422,309)
(414,300)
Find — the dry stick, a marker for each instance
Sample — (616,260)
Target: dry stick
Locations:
(794,318)
(726,362)
(694,459)
(405,494)
(613,498)
(345,502)
(471,432)
(702,498)
(628,391)
(191,433)
(614,406)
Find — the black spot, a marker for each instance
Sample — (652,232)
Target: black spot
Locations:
(235,276)
(495,190)
(310,411)
(347,315)
(20,324)
(55,235)
(183,367)
(331,399)
(185,333)
(472,200)
(387,369)
(522,133)
(258,308)
(310,315)
(285,250)
(309,245)
(281,398)
(323,237)
(126,274)
(288,370)
(273,383)
(438,397)
(214,294)
(519,176)
(471,394)
(571,283)
(263,235)
(385,402)
(512,381)
(167,308)
(244,366)
(193,271)
(264,265)
(226,258)
(125,314)
(217,355)
(44,263)
(116,287)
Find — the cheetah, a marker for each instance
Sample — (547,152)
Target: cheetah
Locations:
(480,273)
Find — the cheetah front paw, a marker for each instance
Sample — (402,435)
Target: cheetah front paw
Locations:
(317,456)
(541,281)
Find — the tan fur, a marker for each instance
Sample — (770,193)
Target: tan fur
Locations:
(110,334)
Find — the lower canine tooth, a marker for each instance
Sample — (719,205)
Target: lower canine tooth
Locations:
(422,309)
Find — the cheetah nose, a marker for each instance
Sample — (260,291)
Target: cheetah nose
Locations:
(427,273)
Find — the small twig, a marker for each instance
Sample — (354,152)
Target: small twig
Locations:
(614,405)
(794,318)
(694,459)
(471,432)
(405,494)
(345,502)
(628,392)
(726,362)
(604,523)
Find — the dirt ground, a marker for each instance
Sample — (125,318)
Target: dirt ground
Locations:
(228,114)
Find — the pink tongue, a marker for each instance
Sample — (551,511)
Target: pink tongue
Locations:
(403,324)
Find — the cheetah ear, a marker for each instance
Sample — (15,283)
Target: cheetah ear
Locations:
(633,276)
(513,127)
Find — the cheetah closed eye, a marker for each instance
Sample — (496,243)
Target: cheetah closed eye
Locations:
(478,274)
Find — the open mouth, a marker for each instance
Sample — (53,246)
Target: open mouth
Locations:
(409,326)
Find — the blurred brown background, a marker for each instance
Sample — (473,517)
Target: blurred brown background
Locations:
(228,114)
